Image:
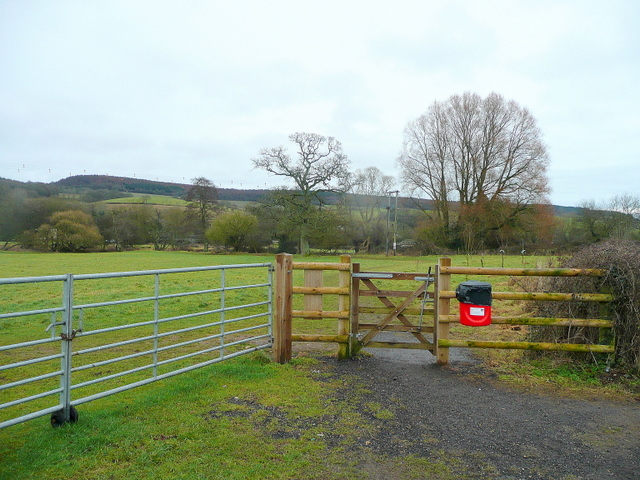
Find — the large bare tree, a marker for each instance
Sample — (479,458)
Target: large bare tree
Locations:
(488,154)
(426,165)
(319,166)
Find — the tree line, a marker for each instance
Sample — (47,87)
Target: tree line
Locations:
(480,163)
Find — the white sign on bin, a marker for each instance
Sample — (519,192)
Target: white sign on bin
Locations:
(476,311)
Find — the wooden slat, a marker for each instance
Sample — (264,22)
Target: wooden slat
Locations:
(307,337)
(407,311)
(322,290)
(314,314)
(541,296)
(415,346)
(320,266)
(539,272)
(400,328)
(395,275)
(555,322)
(389,293)
(567,347)
(313,279)
(385,301)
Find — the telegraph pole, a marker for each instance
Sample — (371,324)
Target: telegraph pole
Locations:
(395,221)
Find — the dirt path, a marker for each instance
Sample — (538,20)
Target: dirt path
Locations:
(493,431)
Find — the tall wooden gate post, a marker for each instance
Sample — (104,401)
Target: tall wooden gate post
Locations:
(354,310)
(283,308)
(442,308)
(344,302)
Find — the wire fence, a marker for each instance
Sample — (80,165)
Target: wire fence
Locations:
(70,339)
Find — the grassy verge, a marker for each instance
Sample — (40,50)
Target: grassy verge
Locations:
(246,418)
(564,377)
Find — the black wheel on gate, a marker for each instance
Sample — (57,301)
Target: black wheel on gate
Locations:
(57,418)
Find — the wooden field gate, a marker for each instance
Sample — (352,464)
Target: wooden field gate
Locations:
(423,313)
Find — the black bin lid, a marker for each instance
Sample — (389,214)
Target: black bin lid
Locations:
(474,293)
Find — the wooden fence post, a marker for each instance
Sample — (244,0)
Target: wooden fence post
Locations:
(344,302)
(283,308)
(354,311)
(442,307)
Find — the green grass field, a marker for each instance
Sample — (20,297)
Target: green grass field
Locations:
(243,418)
(148,199)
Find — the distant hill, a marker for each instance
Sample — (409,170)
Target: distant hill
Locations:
(560,211)
(150,187)
(126,185)
(122,184)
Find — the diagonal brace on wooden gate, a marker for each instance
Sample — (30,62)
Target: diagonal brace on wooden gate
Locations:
(396,313)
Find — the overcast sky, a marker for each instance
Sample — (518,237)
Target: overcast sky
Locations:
(172,90)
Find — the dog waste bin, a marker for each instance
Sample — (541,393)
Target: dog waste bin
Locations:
(475,303)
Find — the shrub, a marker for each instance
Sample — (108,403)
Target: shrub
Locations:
(235,229)
(68,231)
(621,260)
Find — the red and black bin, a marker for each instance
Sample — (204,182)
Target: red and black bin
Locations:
(475,303)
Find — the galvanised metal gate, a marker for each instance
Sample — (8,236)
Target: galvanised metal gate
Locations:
(111,332)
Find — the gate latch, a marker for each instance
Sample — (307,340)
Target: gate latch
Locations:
(68,338)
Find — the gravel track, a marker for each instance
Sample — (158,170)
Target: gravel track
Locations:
(494,431)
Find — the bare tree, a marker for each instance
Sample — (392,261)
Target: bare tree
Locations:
(320,166)
(626,204)
(203,200)
(426,161)
(619,217)
(371,187)
(489,152)
(627,223)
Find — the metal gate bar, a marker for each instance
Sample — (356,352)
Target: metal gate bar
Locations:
(249,337)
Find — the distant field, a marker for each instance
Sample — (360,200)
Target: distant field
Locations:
(20,264)
(17,264)
(237,203)
(147,199)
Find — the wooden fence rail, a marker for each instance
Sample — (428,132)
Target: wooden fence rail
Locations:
(348,309)
(443,317)
(540,296)
(523,272)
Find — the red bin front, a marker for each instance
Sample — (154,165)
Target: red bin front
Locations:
(475,315)
(475,303)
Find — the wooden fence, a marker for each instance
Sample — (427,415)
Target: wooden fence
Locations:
(444,293)
(314,293)
(346,335)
